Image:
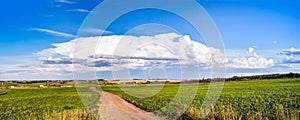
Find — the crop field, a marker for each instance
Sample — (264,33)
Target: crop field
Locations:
(255,99)
(42,103)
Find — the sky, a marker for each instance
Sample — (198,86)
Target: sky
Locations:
(38,38)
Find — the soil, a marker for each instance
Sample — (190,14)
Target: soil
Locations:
(113,107)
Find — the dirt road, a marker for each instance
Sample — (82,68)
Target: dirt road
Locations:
(113,107)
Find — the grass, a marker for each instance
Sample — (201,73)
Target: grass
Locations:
(256,99)
(47,103)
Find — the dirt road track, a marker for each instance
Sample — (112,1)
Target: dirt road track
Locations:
(113,107)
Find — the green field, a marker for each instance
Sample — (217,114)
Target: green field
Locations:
(42,103)
(255,99)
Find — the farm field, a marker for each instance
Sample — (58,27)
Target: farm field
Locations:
(42,103)
(255,99)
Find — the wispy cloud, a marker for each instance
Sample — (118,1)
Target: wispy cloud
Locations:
(79,10)
(65,1)
(52,32)
(96,31)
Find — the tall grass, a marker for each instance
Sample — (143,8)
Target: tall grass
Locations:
(227,112)
(75,114)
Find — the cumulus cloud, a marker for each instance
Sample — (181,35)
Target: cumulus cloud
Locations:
(121,52)
(253,62)
(134,52)
(60,50)
(250,50)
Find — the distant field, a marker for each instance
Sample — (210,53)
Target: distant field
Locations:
(42,103)
(256,99)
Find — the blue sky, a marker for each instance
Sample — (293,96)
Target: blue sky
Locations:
(262,30)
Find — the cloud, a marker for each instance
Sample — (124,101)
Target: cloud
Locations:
(292,59)
(163,51)
(35,71)
(143,30)
(139,53)
(65,1)
(250,50)
(52,32)
(50,60)
(253,62)
(115,52)
(79,10)
(148,52)
(96,31)
(292,55)
(291,51)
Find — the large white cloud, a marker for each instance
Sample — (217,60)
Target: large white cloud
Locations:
(119,52)
(142,51)
(133,51)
